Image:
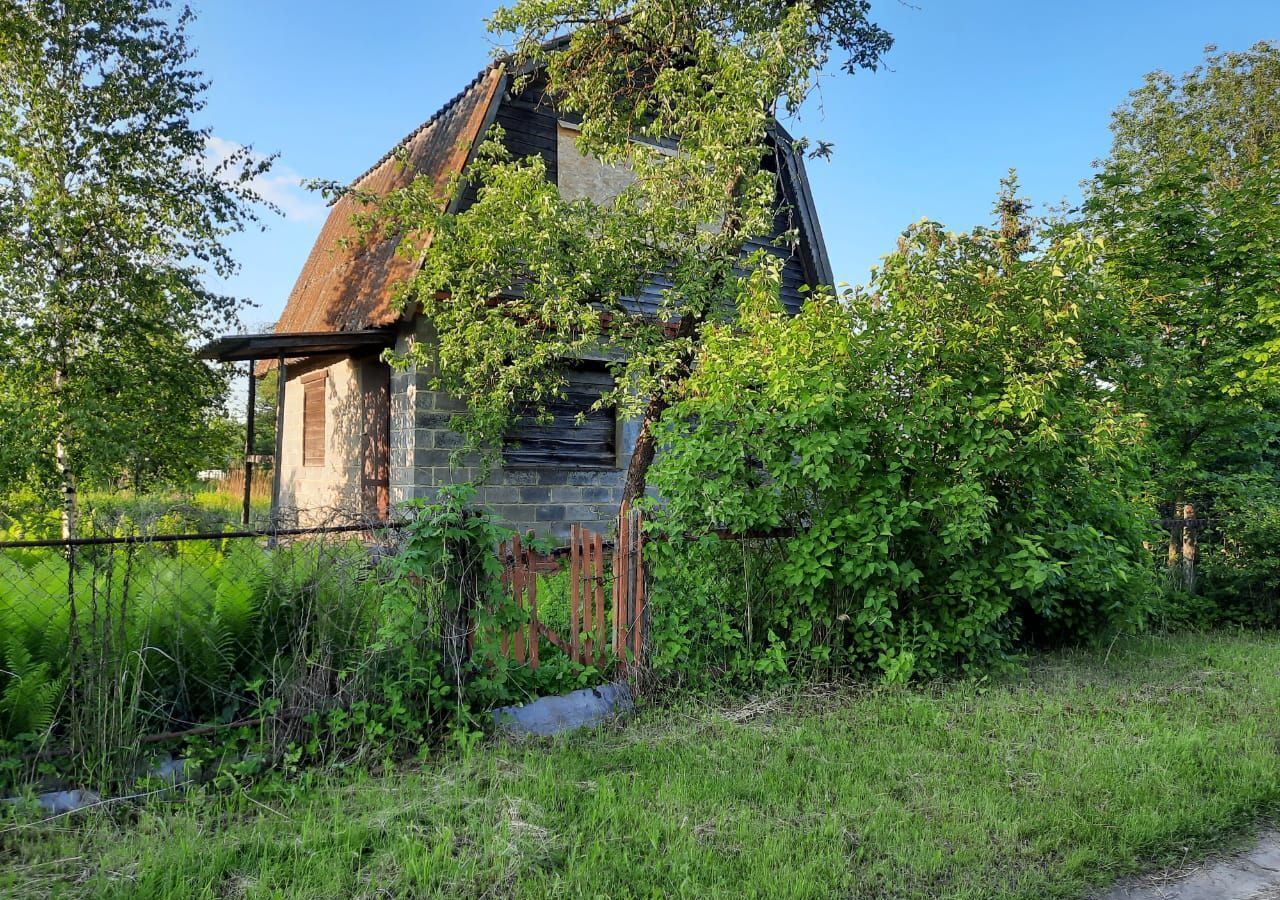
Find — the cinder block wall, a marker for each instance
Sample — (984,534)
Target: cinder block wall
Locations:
(544,500)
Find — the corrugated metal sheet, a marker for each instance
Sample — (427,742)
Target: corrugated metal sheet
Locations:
(347,288)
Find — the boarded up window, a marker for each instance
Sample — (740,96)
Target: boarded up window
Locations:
(313,411)
(561,441)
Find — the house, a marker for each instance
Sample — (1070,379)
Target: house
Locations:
(357,436)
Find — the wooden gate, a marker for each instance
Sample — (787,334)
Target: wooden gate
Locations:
(595,638)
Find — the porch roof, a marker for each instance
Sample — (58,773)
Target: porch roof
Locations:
(295,345)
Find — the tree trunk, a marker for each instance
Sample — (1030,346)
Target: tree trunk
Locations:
(70,502)
(1173,571)
(646,447)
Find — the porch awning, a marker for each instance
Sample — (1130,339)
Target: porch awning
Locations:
(296,345)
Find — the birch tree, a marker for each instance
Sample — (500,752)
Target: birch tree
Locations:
(109,219)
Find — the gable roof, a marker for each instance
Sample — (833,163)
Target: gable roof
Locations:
(348,287)
(813,245)
(347,284)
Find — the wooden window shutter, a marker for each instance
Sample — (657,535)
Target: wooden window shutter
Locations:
(564,441)
(313,413)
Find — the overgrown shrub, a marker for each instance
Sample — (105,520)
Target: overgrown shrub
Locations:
(959,483)
(1240,552)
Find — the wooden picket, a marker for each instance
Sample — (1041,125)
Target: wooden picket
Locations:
(629,607)
(592,633)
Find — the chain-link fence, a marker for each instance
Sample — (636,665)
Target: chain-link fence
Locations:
(111,639)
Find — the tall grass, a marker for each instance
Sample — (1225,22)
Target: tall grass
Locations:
(199,509)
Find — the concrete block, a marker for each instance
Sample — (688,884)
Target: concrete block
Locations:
(447,439)
(533,493)
(569,493)
(589,514)
(427,457)
(501,495)
(452,474)
(512,512)
(592,477)
(517,476)
(430,419)
(611,494)
(444,401)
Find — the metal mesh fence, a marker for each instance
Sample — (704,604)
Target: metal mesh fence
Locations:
(132,629)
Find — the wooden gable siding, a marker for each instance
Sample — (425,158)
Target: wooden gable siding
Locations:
(795,273)
(529,127)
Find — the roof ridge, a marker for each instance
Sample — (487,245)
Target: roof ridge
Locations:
(435,117)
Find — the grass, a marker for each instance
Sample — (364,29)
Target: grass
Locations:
(196,510)
(1091,766)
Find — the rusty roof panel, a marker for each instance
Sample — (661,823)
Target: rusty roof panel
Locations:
(348,288)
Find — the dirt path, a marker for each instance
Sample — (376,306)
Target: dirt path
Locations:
(1251,875)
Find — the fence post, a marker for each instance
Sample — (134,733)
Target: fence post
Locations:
(73,637)
(575,592)
(532,587)
(600,644)
(517,583)
(642,605)
(1190,536)
(247,498)
(622,578)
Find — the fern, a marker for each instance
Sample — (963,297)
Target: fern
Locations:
(30,698)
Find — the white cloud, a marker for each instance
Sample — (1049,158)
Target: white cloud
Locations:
(280,185)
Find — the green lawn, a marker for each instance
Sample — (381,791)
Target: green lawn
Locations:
(1092,766)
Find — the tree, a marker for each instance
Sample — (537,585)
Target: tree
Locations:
(712,75)
(1187,206)
(264,414)
(955,480)
(108,212)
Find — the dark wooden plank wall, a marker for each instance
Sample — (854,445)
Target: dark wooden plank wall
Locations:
(563,442)
(530,127)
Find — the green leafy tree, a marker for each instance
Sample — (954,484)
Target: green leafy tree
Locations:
(712,76)
(109,216)
(958,481)
(264,415)
(1188,207)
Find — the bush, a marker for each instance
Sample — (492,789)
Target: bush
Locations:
(959,484)
(1240,553)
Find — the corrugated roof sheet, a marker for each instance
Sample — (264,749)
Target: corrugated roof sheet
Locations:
(348,288)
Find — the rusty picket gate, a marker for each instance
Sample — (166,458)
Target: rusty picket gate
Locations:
(593,633)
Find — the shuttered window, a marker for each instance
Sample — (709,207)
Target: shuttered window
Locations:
(562,441)
(313,411)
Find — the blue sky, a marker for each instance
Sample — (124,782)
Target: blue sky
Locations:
(972,88)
